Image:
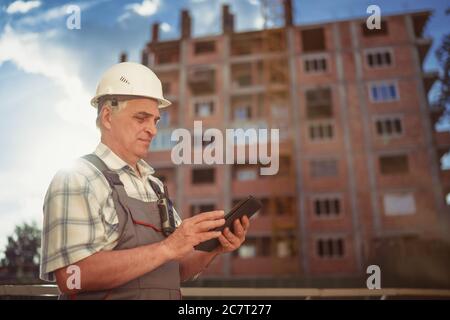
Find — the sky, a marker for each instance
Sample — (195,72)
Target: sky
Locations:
(48,73)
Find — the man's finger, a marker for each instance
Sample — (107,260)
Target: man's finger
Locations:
(205,236)
(209,224)
(238,229)
(224,242)
(211,215)
(231,237)
(245,222)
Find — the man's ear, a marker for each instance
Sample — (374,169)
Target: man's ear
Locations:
(106,117)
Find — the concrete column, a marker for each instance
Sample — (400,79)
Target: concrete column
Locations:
(343,106)
(296,134)
(368,148)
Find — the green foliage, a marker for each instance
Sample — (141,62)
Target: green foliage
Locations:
(21,255)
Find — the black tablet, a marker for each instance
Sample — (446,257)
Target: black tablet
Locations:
(248,207)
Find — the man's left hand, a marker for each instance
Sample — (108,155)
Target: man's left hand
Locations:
(231,241)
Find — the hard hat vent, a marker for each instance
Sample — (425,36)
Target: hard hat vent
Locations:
(125,80)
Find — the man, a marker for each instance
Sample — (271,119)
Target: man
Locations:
(103,217)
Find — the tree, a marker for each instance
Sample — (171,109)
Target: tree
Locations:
(21,255)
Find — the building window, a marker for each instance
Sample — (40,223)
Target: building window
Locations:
(321,131)
(399,204)
(327,207)
(243,80)
(323,168)
(389,127)
(164,120)
(384,92)
(204,47)
(247,250)
(313,40)
(162,141)
(394,164)
(286,245)
(315,65)
(284,205)
(330,247)
(203,176)
(375,32)
(242,113)
(202,81)
(253,247)
(379,58)
(204,109)
(163,58)
(246,174)
(318,103)
(199,208)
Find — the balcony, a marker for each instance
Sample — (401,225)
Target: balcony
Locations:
(202,81)
(165,55)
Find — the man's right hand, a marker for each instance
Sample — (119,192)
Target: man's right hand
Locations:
(193,231)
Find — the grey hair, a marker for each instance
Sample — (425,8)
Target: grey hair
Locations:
(113,103)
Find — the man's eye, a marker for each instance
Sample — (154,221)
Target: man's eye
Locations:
(139,119)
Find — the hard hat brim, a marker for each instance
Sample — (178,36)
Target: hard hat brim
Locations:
(162,102)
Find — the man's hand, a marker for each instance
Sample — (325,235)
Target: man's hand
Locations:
(191,232)
(231,241)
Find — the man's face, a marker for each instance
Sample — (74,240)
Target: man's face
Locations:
(134,127)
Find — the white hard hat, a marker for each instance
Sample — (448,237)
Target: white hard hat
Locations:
(130,79)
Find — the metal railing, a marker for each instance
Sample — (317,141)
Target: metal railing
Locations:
(33,291)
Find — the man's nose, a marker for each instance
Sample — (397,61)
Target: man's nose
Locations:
(151,128)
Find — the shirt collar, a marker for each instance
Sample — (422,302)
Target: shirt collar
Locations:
(115,163)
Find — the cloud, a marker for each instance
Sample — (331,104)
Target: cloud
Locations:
(145,9)
(22,6)
(63,132)
(165,27)
(50,61)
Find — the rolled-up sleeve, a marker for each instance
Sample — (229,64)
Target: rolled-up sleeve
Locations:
(72,223)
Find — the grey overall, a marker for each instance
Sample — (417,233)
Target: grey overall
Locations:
(139,224)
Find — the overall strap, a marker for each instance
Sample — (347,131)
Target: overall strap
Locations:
(96,161)
(119,195)
(112,177)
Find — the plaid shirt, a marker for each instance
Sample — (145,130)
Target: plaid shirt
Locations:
(79,214)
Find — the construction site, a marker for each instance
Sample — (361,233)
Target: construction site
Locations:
(360,178)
